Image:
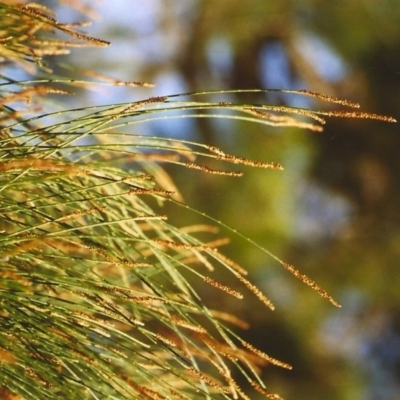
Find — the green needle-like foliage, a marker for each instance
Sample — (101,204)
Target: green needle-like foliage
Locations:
(96,286)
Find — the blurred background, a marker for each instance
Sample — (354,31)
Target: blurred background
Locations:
(334,212)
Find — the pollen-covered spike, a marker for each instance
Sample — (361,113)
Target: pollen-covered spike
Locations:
(325,97)
(158,192)
(203,168)
(362,115)
(244,161)
(299,111)
(265,356)
(28,9)
(222,287)
(142,103)
(255,290)
(233,386)
(92,40)
(181,322)
(212,382)
(308,281)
